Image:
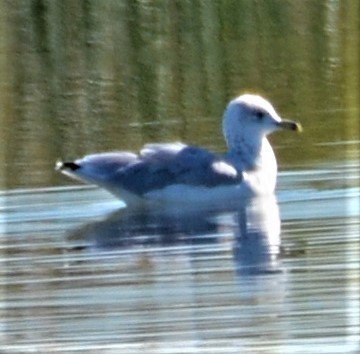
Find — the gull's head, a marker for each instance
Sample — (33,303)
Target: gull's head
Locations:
(249,118)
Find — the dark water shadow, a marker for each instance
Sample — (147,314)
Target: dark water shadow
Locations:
(252,226)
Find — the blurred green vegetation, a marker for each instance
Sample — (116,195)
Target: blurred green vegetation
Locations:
(86,76)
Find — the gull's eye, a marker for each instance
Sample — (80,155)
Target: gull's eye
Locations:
(260,114)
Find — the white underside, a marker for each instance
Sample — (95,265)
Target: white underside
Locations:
(186,194)
(253,184)
(199,194)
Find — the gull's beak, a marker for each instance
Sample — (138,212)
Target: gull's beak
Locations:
(290,125)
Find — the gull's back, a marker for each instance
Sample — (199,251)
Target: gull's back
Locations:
(158,170)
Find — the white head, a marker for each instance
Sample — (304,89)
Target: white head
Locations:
(247,121)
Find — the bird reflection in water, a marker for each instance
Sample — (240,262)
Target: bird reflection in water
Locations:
(252,226)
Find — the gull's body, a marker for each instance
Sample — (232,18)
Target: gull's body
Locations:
(177,172)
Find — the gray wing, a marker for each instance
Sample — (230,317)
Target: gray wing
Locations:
(157,166)
(161,165)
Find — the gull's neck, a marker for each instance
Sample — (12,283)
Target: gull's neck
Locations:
(257,163)
(249,151)
(247,154)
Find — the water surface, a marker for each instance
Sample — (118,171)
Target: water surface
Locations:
(84,273)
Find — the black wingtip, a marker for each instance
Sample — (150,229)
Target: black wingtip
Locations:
(66,165)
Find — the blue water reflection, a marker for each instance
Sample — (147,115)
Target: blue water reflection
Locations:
(253,225)
(203,277)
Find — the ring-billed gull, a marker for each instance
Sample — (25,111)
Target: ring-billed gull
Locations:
(178,172)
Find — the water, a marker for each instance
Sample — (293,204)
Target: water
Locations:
(81,273)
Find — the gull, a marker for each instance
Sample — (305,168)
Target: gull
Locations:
(177,172)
